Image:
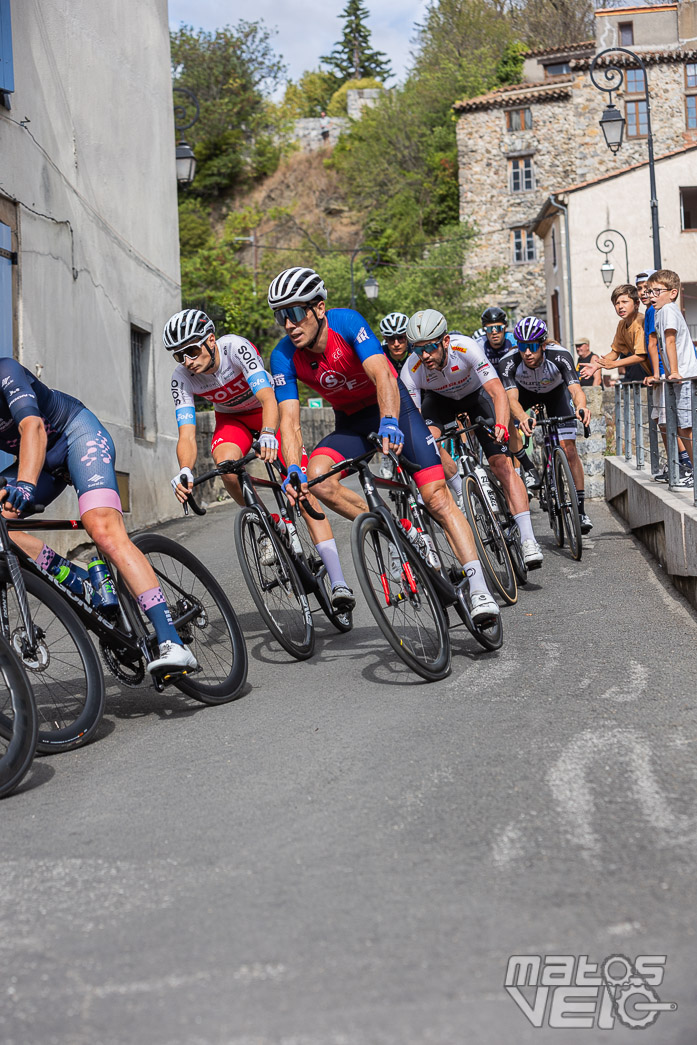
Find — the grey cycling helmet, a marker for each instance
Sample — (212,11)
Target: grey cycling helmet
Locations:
(427,325)
(186,326)
(296,285)
(393,324)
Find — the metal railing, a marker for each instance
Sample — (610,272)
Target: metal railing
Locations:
(637,426)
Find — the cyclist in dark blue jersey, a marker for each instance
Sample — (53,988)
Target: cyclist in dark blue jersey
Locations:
(336,353)
(57,441)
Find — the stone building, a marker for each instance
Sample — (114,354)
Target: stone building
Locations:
(89,269)
(520,143)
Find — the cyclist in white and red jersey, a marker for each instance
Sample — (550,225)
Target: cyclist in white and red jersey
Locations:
(336,353)
(229,372)
(449,374)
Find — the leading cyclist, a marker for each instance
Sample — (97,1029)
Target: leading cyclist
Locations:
(336,354)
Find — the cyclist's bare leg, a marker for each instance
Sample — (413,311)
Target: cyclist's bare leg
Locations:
(569,448)
(106,528)
(29,544)
(230,452)
(332,493)
(513,485)
(449,466)
(440,503)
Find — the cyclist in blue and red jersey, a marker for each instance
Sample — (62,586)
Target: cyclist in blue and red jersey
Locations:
(58,441)
(335,353)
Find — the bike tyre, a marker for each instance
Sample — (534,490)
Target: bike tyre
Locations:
(367,529)
(512,537)
(568,504)
(230,678)
(499,570)
(18,755)
(300,640)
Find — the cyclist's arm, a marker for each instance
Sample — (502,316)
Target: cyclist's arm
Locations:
(291,432)
(502,409)
(269,408)
(187,450)
(526,422)
(381,374)
(578,398)
(32,449)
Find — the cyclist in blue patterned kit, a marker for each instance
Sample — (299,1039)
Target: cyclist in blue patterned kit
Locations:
(57,441)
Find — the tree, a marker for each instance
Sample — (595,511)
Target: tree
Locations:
(352,57)
(231,71)
(310,96)
(553,23)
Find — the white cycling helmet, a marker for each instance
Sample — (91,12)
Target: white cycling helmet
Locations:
(427,325)
(393,324)
(188,325)
(295,285)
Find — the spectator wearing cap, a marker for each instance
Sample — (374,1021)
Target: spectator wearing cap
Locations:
(584,355)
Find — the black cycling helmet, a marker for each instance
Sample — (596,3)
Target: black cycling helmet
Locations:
(494,315)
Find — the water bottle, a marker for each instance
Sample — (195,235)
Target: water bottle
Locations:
(422,542)
(69,578)
(432,557)
(488,490)
(100,579)
(411,533)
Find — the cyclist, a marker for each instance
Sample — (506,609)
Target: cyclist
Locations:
(540,371)
(448,375)
(230,373)
(58,441)
(335,353)
(393,329)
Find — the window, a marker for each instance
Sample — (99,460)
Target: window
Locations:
(523,245)
(557,69)
(521,175)
(691,74)
(625,34)
(691,101)
(140,345)
(7,79)
(637,125)
(635,83)
(518,119)
(691,96)
(688,209)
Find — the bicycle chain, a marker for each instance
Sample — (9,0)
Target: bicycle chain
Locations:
(136,670)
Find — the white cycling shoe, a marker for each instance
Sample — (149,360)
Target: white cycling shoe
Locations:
(484,608)
(173,659)
(532,554)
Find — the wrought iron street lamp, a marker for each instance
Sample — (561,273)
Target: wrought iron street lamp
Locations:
(612,124)
(607,269)
(371,287)
(184,156)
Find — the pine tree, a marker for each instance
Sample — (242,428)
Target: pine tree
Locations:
(352,57)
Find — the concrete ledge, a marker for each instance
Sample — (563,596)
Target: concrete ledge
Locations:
(664,520)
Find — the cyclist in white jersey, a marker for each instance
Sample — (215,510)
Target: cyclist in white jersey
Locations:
(449,374)
(229,372)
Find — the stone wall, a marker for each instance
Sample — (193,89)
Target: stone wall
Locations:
(308,132)
(358,100)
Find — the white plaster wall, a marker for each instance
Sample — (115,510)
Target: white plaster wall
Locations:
(94,175)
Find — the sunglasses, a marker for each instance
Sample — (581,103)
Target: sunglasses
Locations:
(495,328)
(192,352)
(295,313)
(433,346)
(395,337)
(529,346)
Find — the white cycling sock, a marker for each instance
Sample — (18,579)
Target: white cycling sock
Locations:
(455,484)
(475,576)
(525,526)
(330,557)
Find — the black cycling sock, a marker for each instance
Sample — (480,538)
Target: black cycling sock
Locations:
(581,495)
(524,460)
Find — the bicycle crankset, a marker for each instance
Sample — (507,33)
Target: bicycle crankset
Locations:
(122,664)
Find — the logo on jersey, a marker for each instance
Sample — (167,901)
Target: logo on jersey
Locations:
(331,380)
(279,379)
(5,381)
(94,479)
(362,335)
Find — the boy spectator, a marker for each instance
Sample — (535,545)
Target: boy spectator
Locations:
(656,401)
(629,345)
(584,355)
(678,356)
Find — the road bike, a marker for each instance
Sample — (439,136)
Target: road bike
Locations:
(278,559)
(558,491)
(19,721)
(409,584)
(50,634)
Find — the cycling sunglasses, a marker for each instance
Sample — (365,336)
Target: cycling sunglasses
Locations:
(191,352)
(395,337)
(529,346)
(433,346)
(495,328)
(295,313)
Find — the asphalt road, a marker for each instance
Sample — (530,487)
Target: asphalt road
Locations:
(348,855)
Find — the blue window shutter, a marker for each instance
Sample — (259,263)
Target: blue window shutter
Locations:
(7,76)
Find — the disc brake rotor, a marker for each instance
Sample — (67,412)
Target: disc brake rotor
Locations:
(34,658)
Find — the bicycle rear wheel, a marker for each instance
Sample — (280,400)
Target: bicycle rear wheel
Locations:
(568,503)
(511,534)
(406,608)
(18,711)
(491,544)
(275,586)
(63,666)
(213,633)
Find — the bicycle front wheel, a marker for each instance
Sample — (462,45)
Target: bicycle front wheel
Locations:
(490,542)
(274,585)
(568,503)
(212,632)
(406,608)
(20,720)
(62,665)
(511,533)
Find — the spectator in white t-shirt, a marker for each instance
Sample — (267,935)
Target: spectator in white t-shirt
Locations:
(678,356)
